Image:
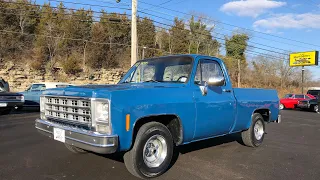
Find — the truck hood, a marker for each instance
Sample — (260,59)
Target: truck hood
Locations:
(4,93)
(99,91)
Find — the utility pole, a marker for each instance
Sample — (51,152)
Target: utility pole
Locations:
(143,52)
(239,73)
(134,32)
(302,80)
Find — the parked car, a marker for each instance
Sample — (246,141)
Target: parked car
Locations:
(160,103)
(311,105)
(32,94)
(4,86)
(290,101)
(9,101)
(314,92)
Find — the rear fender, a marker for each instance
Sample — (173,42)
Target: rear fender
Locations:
(262,111)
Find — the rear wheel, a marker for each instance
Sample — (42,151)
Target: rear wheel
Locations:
(254,136)
(316,108)
(152,151)
(75,149)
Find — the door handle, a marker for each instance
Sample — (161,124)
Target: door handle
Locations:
(226,90)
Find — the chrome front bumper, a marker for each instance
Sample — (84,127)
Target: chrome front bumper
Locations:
(279,119)
(303,106)
(87,140)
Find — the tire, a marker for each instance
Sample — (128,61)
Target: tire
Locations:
(281,106)
(75,149)
(136,160)
(315,108)
(249,137)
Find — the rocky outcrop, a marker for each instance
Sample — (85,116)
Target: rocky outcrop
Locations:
(20,77)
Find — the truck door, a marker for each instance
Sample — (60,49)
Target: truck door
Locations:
(215,110)
(32,95)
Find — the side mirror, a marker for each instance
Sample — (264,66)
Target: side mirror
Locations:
(216,81)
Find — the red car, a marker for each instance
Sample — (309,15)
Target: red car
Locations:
(290,101)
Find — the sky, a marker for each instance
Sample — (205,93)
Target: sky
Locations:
(274,26)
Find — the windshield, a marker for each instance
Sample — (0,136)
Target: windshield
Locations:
(313,92)
(37,87)
(288,95)
(165,69)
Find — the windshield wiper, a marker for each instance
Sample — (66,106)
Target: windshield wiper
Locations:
(151,80)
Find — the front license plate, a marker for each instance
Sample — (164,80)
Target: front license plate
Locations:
(59,135)
(3,104)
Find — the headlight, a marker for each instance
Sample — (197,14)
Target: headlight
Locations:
(42,107)
(21,98)
(101,115)
(42,103)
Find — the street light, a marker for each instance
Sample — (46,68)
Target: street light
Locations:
(143,51)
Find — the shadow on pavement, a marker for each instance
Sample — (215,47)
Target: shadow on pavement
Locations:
(26,110)
(184,149)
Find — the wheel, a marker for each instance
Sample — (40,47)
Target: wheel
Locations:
(316,108)
(281,106)
(75,149)
(5,111)
(152,151)
(254,136)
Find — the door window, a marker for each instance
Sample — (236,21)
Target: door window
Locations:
(299,96)
(207,69)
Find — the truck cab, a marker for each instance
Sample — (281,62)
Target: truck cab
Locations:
(160,103)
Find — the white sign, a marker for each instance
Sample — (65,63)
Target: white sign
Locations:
(59,134)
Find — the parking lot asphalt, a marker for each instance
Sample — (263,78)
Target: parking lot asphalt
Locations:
(291,150)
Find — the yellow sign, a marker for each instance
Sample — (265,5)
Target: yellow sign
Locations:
(304,58)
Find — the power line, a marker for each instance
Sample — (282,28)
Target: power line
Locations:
(221,43)
(219,33)
(224,39)
(157,16)
(171,26)
(53,7)
(92,5)
(228,30)
(232,25)
(74,39)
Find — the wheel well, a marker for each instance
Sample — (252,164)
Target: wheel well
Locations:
(172,122)
(265,113)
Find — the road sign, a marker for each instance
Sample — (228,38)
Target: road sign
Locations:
(304,58)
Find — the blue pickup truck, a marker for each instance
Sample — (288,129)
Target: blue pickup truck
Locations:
(160,103)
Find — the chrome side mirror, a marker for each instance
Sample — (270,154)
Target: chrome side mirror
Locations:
(216,81)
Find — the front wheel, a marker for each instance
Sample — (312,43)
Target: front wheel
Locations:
(152,151)
(254,136)
(281,106)
(316,108)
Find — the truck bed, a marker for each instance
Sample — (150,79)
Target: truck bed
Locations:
(250,100)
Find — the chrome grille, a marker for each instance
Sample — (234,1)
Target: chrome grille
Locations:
(68,109)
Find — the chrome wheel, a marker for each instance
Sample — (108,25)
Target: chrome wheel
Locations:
(258,130)
(316,108)
(155,151)
(281,106)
